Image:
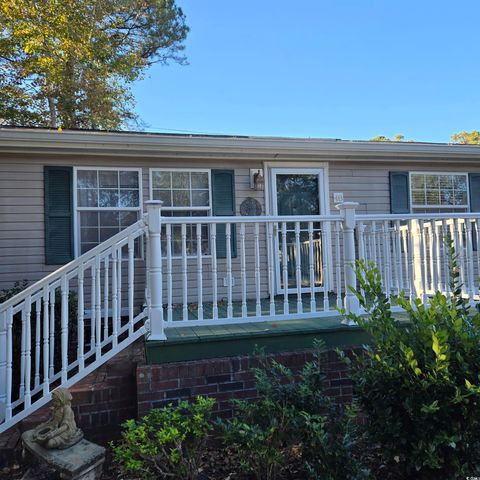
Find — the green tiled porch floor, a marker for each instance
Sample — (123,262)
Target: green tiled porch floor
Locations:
(202,342)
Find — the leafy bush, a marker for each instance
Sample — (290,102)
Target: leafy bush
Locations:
(166,443)
(292,417)
(7,293)
(420,385)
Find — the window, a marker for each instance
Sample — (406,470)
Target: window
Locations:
(107,201)
(438,192)
(184,194)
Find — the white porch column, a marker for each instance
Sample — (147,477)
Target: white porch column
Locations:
(351,302)
(154,262)
(3,364)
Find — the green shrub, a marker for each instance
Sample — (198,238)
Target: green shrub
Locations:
(292,417)
(166,443)
(420,385)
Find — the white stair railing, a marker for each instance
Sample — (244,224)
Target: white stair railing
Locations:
(63,327)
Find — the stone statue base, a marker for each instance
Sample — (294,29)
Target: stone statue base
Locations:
(82,461)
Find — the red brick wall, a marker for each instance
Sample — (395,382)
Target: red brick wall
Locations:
(225,379)
(127,388)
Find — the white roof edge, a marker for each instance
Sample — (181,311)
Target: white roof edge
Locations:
(77,142)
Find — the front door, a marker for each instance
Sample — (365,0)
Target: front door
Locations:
(296,193)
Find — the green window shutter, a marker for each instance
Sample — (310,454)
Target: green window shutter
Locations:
(474,181)
(399,192)
(223,197)
(58,185)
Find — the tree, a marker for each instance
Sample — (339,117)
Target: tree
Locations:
(472,137)
(382,138)
(71,63)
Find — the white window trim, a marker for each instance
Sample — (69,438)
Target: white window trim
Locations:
(189,170)
(76,208)
(208,210)
(454,207)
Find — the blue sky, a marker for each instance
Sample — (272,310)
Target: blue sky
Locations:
(349,69)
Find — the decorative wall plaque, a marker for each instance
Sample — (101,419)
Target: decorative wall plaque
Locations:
(250,207)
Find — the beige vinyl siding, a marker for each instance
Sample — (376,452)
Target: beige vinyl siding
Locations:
(22,210)
(368,183)
(22,254)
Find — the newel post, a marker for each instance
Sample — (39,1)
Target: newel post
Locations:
(351,302)
(154,262)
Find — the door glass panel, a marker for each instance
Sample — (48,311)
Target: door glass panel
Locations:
(298,195)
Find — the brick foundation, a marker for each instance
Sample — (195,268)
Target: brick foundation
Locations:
(225,379)
(127,388)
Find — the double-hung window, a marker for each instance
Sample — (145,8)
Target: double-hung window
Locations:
(184,193)
(439,192)
(107,200)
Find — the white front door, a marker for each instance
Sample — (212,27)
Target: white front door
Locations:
(297,192)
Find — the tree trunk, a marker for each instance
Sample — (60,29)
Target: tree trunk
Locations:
(53,112)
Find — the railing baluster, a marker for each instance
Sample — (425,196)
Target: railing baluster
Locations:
(28,353)
(286,306)
(64,328)
(8,399)
(51,369)
(93,310)
(46,355)
(119,288)
(199,272)
(228,236)
(387,259)
(243,270)
(23,348)
(338,265)
(434,255)
(373,237)
(326,227)
(298,268)
(184,272)
(213,236)
(115,253)
(469,259)
(131,280)
(311,268)
(477,230)
(398,256)
(3,363)
(106,266)
(98,309)
(446,277)
(271,277)
(411,261)
(38,315)
(258,305)
(81,317)
(423,261)
(168,238)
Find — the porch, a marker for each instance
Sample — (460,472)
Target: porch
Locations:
(195,285)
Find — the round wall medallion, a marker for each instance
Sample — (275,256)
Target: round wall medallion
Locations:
(250,207)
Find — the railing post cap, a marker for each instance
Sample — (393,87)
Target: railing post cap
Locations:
(345,205)
(154,203)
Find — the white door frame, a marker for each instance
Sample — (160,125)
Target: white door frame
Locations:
(321,170)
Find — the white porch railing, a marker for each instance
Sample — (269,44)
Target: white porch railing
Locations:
(212,271)
(50,338)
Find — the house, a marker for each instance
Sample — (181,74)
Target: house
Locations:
(240,230)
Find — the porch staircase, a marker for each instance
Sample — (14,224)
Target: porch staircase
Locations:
(63,327)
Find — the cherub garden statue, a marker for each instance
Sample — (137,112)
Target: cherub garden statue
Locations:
(60,430)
